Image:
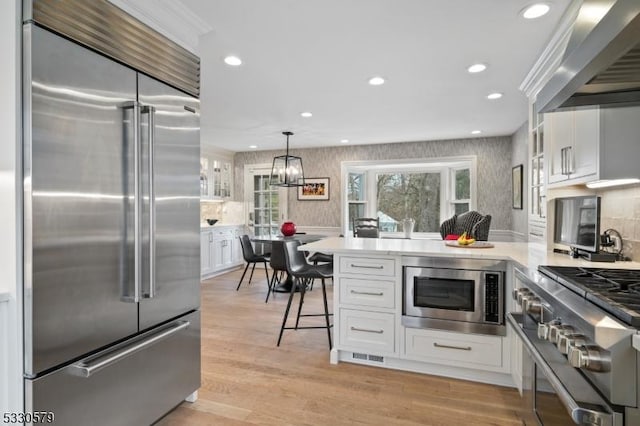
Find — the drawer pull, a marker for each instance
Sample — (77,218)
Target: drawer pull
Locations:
(366,330)
(368,293)
(353,265)
(460,348)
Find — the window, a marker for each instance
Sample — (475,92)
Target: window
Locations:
(427,191)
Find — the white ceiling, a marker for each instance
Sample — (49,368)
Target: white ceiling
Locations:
(317,55)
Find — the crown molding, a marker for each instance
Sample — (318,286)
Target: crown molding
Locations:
(552,55)
(171,18)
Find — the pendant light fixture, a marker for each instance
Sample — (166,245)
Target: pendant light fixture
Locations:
(287,169)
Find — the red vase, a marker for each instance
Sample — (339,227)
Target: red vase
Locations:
(288,229)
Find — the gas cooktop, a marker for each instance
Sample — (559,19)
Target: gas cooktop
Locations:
(615,290)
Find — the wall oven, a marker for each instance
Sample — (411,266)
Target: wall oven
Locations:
(464,295)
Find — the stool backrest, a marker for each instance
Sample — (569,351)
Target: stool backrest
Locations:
(247,248)
(294,258)
(277,259)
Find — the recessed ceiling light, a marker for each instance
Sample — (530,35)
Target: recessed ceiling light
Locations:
(376,81)
(234,61)
(476,68)
(494,96)
(253,146)
(344,140)
(536,10)
(476,132)
(306,114)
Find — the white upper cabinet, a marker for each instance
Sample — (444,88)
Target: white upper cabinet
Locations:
(572,141)
(587,145)
(215,176)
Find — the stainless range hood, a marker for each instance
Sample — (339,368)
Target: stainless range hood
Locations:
(601,65)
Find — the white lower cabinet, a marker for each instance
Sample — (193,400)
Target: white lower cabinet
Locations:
(458,349)
(220,249)
(366,331)
(206,252)
(367,292)
(368,297)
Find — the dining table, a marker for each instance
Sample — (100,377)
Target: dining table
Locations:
(285,286)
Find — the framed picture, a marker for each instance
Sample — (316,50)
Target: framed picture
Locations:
(314,189)
(516,187)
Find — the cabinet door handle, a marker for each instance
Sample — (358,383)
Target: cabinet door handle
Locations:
(460,348)
(353,265)
(366,330)
(569,160)
(563,161)
(367,293)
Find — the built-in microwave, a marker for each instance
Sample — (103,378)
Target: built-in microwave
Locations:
(464,295)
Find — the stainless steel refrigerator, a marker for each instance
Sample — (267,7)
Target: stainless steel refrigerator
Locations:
(111,237)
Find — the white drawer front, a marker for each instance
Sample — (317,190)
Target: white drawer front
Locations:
(369,266)
(453,348)
(366,292)
(367,331)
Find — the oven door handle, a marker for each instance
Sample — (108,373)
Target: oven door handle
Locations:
(580,413)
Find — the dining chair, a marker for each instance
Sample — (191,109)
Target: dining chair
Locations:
(278,266)
(302,273)
(366,227)
(252,258)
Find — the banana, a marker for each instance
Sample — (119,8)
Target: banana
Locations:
(463,240)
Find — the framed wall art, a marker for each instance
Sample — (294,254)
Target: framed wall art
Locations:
(516,187)
(314,189)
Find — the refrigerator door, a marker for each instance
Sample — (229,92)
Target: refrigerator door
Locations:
(170,135)
(78,224)
(134,383)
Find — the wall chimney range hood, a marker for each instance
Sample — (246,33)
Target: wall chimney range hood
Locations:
(601,65)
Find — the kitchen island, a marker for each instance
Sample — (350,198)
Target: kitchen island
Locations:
(368,307)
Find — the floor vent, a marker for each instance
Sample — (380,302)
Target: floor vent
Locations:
(367,357)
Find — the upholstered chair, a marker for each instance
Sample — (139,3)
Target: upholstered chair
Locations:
(473,223)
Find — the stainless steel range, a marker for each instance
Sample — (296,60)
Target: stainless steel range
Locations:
(577,324)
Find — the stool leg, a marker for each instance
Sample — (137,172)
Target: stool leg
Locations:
(242,277)
(302,291)
(272,284)
(266,272)
(326,312)
(286,312)
(252,269)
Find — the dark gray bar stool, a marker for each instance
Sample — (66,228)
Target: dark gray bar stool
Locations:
(303,273)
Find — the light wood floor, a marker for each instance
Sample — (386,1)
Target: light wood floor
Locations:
(247,380)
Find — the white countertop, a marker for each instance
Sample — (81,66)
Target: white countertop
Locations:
(220,225)
(529,255)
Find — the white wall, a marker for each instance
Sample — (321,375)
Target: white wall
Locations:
(10,336)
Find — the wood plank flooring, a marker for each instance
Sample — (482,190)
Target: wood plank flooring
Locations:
(248,380)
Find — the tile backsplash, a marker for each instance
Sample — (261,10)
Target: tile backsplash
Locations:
(621,211)
(229,212)
(209,210)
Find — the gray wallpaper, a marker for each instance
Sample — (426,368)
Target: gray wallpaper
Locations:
(519,155)
(493,163)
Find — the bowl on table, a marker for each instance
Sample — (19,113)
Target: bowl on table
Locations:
(211,221)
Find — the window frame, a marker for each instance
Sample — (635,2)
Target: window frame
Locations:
(446,166)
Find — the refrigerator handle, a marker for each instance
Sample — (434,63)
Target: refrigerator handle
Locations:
(152,203)
(126,294)
(90,365)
